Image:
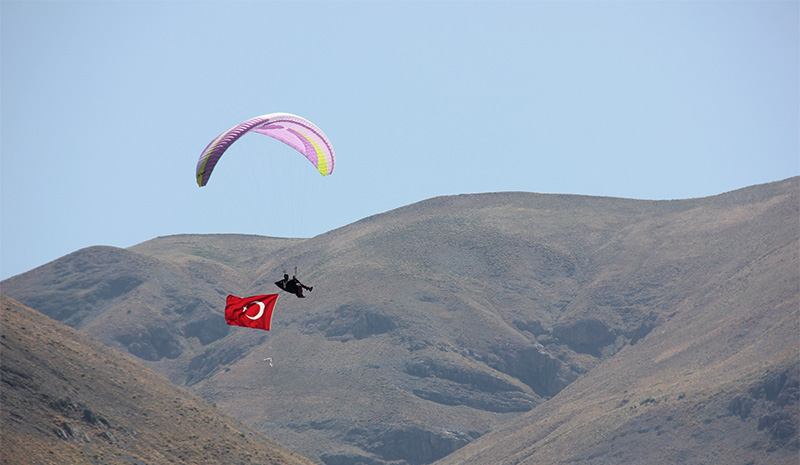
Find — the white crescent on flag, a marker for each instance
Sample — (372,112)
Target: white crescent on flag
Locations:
(260,311)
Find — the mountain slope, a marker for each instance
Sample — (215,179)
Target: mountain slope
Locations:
(67,398)
(717,383)
(436,323)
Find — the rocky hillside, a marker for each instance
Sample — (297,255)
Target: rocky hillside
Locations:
(717,381)
(434,324)
(67,398)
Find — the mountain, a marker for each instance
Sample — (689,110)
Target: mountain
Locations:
(69,399)
(717,381)
(440,324)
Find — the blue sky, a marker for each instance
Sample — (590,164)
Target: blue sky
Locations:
(106,106)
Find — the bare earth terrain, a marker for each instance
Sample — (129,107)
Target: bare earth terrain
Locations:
(68,399)
(489,328)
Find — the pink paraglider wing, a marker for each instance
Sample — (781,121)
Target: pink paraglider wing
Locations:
(292,130)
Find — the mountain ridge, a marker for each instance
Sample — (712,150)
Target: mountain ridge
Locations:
(432,324)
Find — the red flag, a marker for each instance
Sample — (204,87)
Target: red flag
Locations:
(252,312)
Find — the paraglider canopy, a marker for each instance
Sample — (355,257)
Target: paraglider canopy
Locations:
(292,130)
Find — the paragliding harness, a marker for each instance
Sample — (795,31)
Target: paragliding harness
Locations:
(293,286)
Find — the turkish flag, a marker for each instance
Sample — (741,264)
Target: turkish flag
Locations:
(252,312)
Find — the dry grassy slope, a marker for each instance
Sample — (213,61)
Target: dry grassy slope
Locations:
(717,383)
(431,324)
(67,398)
